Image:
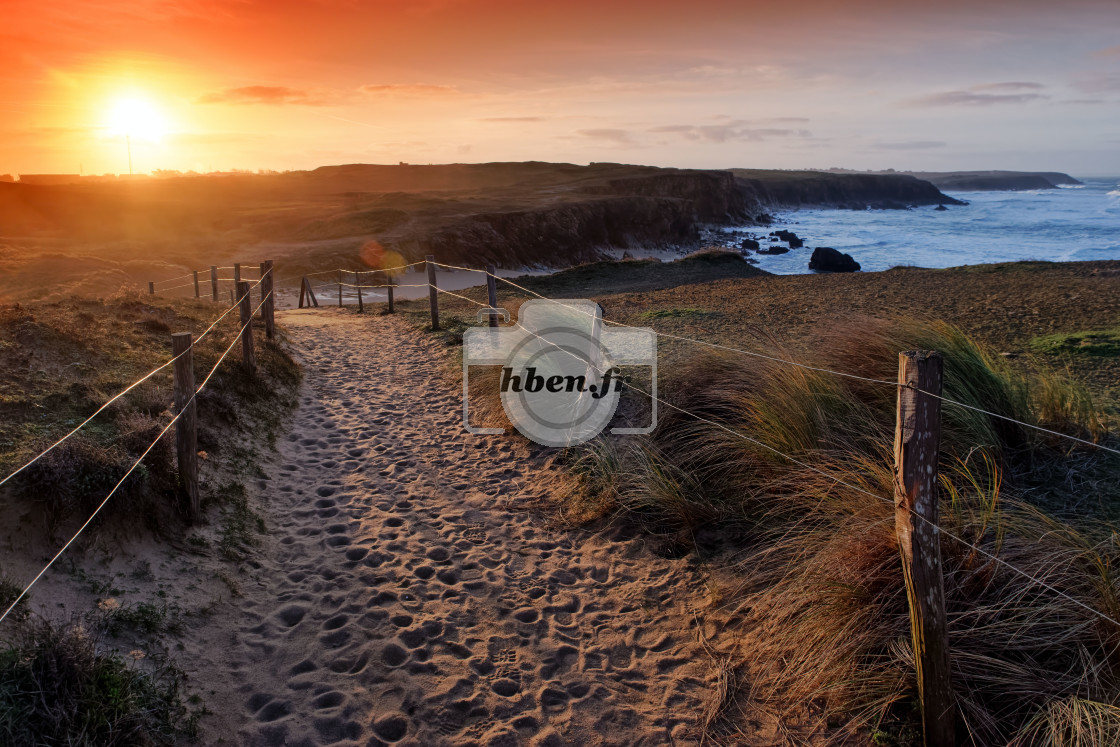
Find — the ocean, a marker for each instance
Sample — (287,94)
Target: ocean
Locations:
(1069,224)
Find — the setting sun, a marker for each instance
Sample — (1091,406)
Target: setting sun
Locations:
(136,118)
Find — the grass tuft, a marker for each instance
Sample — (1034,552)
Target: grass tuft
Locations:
(1102,343)
(58,685)
(821,587)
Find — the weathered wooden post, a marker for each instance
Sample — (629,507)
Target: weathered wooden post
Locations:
(307,292)
(433,294)
(358,282)
(492,292)
(195,283)
(151,288)
(236,273)
(232,300)
(390,289)
(268,299)
(917,440)
(214,281)
(247,355)
(186,427)
(340,289)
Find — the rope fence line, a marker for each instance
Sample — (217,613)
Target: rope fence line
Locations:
(906,481)
(937,529)
(916,507)
(251,267)
(135,464)
(171,280)
(892,384)
(123,392)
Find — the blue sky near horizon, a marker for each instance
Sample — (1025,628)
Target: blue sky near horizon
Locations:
(868,84)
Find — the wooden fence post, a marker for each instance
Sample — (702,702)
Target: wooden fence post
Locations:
(268,309)
(151,288)
(390,289)
(492,293)
(433,294)
(310,293)
(247,354)
(358,282)
(186,427)
(195,283)
(236,273)
(917,440)
(232,298)
(340,289)
(214,281)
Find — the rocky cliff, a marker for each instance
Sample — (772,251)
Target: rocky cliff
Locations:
(611,206)
(971,181)
(796,189)
(512,214)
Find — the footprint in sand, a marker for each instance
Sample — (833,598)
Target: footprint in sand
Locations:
(405,606)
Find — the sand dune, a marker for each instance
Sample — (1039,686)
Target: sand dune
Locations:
(412,592)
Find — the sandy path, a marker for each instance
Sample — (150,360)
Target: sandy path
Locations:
(410,593)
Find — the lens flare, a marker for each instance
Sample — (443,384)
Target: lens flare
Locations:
(374,255)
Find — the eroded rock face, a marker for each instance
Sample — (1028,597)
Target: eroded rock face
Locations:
(793,189)
(827,259)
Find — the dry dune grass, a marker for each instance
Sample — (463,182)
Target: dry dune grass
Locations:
(819,587)
(67,681)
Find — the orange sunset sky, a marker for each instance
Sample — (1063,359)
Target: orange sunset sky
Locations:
(221,84)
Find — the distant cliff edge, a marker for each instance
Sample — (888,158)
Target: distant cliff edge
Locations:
(510,214)
(983,181)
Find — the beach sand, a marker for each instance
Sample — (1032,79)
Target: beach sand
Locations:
(412,591)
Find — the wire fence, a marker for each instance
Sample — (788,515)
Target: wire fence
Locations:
(492,278)
(936,527)
(238,337)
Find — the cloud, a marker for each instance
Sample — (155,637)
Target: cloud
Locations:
(1010,86)
(972,98)
(733,130)
(1102,83)
(621,137)
(512,119)
(911,145)
(275,95)
(409,89)
(1105,54)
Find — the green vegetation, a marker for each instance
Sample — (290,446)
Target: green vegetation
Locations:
(64,683)
(1103,343)
(60,685)
(240,524)
(9,592)
(820,566)
(69,357)
(146,618)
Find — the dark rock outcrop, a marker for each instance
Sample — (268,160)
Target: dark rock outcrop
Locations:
(827,259)
(941,207)
(749,244)
(774,249)
(789,237)
(563,235)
